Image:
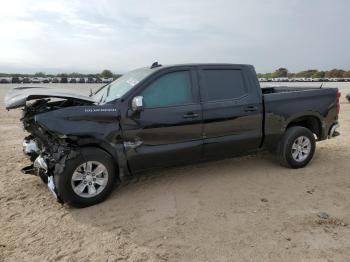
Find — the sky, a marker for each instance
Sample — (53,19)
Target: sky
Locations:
(92,35)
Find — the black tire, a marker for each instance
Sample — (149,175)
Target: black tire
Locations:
(284,151)
(63,180)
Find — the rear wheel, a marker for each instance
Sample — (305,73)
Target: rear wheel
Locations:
(87,179)
(297,147)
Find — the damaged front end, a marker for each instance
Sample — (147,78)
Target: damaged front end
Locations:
(44,148)
(47,149)
(63,129)
(48,160)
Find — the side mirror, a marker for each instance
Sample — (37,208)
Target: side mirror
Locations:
(137,103)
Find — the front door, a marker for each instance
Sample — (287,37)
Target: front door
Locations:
(168,131)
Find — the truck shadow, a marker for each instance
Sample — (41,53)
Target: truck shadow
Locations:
(157,195)
(178,207)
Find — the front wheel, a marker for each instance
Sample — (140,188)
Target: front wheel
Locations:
(297,147)
(87,179)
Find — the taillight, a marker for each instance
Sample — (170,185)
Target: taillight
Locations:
(338,103)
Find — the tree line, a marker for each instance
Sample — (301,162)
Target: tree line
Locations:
(280,72)
(104,74)
(283,72)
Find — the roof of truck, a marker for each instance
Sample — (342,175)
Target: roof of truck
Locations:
(156,65)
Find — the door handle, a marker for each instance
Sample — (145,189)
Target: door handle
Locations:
(190,115)
(251,109)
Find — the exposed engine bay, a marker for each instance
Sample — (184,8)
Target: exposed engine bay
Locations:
(48,150)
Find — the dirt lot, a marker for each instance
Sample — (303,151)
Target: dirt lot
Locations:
(243,209)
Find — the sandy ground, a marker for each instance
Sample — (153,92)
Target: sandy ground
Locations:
(242,209)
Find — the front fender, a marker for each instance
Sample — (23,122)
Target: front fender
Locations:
(88,126)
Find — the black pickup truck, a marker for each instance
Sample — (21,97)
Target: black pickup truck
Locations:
(158,116)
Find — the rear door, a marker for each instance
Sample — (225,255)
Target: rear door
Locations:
(232,111)
(169,129)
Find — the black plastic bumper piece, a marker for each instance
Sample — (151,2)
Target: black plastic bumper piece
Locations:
(29,170)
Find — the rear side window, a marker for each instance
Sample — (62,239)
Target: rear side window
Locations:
(169,90)
(221,84)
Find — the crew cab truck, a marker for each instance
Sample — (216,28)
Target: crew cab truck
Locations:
(159,116)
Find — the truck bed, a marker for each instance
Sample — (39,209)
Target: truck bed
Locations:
(282,104)
(286,89)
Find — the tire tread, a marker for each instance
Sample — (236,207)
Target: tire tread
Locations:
(283,147)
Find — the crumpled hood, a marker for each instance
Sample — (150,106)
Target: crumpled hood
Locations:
(18,96)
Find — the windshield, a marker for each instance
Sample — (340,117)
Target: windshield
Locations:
(122,85)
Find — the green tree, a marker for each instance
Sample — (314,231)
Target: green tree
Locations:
(74,74)
(40,74)
(106,73)
(281,72)
(62,75)
(318,74)
(307,73)
(335,73)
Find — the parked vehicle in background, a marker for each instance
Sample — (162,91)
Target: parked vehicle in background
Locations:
(16,80)
(90,80)
(36,80)
(303,79)
(107,80)
(5,80)
(26,80)
(162,116)
(280,79)
(64,80)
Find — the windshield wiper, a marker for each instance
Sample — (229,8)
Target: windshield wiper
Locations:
(108,88)
(98,90)
(103,98)
(100,100)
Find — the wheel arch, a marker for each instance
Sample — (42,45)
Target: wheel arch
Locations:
(311,122)
(116,151)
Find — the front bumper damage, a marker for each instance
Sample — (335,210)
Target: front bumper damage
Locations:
(30,146)
(47,163)
(46,144)
(40,168)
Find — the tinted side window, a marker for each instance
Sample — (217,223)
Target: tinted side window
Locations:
(223,84)
(169,90)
